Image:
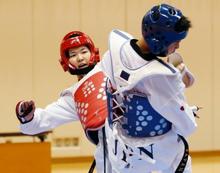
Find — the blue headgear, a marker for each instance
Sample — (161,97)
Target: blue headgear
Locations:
(158,28)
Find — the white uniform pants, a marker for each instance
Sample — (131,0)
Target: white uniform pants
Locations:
(163,155)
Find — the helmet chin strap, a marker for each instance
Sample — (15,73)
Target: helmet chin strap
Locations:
(82,71)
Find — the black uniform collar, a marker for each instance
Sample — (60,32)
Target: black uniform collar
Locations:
(145,56)
(81,71)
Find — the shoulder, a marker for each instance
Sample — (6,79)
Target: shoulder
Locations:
(120,33)
(158,68)
(167,78)
(118,37)
(168,68)
(161,73)
(68,91)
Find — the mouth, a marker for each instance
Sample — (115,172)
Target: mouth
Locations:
(81,66)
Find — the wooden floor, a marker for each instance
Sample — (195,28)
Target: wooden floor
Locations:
(201,163)
(206,163)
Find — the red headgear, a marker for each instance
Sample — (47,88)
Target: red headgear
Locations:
(76,39)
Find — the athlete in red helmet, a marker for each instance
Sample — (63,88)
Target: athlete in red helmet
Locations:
(84,101)
(75,46)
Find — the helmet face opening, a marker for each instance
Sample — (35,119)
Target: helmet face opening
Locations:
(72,40)
(159,28)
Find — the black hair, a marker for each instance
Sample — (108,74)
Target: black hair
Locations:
(183,24)
(74,35)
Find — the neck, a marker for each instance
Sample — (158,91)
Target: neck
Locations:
(143,46)
(80,77)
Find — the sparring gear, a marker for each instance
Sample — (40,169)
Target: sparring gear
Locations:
(91,104)
(139,117)
(25,111)
(158,28)
(76,39)
(147,81)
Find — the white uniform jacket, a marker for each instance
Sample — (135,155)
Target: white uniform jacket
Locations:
(84,101)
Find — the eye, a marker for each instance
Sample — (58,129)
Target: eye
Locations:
(72,55)
(84,51)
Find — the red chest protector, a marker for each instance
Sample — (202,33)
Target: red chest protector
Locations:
(91,102)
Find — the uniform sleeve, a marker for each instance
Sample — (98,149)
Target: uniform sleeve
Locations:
(166,94)
(57,113)
(189,75)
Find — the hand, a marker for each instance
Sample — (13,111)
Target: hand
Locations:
(175,59)
(195,109)
(25,111)
(181,67)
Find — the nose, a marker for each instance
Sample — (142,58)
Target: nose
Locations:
(80,57)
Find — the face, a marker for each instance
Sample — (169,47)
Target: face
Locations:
(172,47)
(79,56)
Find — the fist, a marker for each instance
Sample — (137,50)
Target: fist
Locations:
(25,111)
(175,59)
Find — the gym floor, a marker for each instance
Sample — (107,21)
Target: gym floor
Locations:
(201,163)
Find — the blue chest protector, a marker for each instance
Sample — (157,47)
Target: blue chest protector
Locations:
(137,117)
(133,110)
(141,120)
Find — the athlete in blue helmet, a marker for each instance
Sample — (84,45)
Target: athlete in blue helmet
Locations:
(149,117)
(162,26)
